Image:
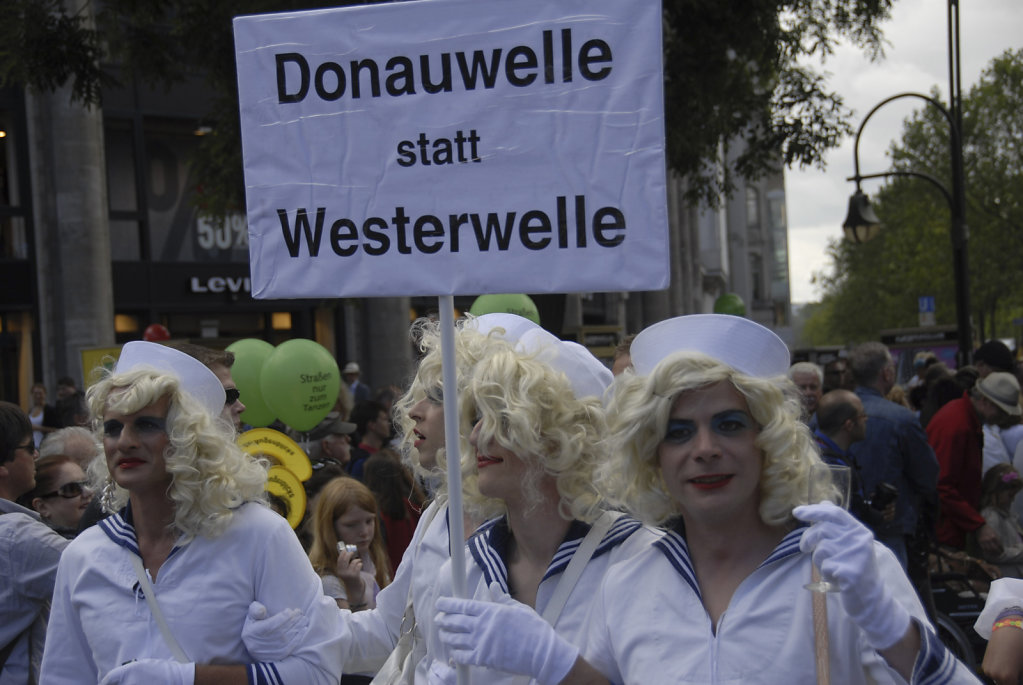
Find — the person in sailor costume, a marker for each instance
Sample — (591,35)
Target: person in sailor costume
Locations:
(538,443)
(706,441)
(192,525)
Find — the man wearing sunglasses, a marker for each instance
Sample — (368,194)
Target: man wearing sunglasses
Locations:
(29,552)
(220,363)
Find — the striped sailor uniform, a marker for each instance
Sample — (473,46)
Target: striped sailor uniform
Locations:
(649,625)
(100,618)
(487,564)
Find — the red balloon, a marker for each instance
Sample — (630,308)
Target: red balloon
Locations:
(155,332)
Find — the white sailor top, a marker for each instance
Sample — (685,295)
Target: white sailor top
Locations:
(375,633)
(649,625)
(487,563)
(100,618)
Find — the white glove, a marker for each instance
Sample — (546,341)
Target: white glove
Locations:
(504,635)
(274,638)
(843,550)
(150,671)
(441,674)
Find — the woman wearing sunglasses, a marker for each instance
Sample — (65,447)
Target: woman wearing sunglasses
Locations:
(61,494)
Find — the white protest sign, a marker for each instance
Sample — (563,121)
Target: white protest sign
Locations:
(454,146)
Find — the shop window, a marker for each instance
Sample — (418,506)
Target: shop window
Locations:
(177,232)
(124,241)
(752,208)
(120,154)
(13,237)
(13,242)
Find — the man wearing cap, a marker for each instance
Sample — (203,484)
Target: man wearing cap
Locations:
(350,374)
(993,356)
(329,441)
(955,433)
(922,361)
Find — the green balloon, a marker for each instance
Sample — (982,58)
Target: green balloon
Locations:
(522,305)
(730,303)
(300,382)
(249,356)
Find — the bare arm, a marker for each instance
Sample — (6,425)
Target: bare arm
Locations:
(221,675)
(902,655)
(1003,659)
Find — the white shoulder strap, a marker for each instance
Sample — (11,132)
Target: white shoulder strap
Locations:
(154,606)
(576,565)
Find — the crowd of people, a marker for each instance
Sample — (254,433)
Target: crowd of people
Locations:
(658,521)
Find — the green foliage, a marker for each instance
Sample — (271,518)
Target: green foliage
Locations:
(734,69)
(44,47)
(875,286)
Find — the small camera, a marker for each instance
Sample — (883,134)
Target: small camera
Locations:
(351,549)
(884,495)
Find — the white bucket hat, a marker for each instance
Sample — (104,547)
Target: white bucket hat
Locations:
(1003,390)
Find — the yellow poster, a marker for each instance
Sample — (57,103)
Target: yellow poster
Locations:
(97,357)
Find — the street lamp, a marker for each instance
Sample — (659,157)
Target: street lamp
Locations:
(862,224)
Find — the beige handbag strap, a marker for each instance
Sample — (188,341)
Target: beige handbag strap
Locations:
(575,567)
(154,607)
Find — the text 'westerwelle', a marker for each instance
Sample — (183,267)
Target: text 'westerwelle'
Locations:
(534,229)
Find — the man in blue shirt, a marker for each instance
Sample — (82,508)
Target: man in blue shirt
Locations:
(842,422)
(895,449)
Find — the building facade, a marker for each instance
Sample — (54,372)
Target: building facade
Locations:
(100,237)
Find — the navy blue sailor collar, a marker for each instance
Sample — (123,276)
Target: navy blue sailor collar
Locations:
(120,528)
(489,546)
(674,547)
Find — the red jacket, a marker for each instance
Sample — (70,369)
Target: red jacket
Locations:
(956,435)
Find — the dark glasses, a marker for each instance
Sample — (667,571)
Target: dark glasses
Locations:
(232,396)
(68,490)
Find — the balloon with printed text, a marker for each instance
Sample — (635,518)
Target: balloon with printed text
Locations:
(300,381)
(249,356)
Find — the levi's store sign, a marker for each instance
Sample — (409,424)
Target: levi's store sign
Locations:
(220,284)
(438,147)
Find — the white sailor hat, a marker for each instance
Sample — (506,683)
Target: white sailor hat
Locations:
(513,325)
(588,376)
(740,343)
(195,377)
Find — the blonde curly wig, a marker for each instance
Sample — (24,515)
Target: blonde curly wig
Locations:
(210,475)
(529,408)
(470,347)
(638,418)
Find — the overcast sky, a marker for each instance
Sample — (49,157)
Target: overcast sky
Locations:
(916,60)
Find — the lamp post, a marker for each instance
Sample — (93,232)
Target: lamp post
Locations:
(862,224)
